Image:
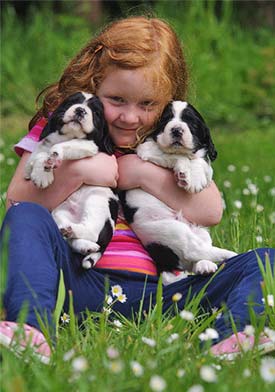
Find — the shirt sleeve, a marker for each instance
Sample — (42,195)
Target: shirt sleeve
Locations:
(29,141)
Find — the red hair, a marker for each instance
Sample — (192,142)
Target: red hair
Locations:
(128,43)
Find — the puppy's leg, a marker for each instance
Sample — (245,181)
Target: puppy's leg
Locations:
(87,219)
(90,260)
(200,175)
(72,149)
(28,168)
(83,246)
(40,177)
(150,151)
(182,171)
(185,247)
(204,267)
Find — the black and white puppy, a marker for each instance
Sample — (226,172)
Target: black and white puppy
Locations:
(182,142)
(77,129)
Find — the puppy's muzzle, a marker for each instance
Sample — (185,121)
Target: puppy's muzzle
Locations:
(80,113)
(176,132)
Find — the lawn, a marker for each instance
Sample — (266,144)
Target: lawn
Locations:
(233,86)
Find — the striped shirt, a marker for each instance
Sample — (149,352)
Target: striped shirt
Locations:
(125,251)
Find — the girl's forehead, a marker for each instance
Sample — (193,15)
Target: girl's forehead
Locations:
(135,83)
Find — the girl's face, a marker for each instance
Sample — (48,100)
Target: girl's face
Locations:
(130,104)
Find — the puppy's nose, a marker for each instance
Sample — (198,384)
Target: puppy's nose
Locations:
(176,132)
(80,112)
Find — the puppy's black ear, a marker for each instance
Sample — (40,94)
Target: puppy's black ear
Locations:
(106,141)
(45,131)
(205,134)
(211,150)
(165,117)
(101,133)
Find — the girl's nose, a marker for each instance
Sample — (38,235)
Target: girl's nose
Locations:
(129,115)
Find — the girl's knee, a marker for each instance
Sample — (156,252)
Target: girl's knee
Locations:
(24,215)
(25,211)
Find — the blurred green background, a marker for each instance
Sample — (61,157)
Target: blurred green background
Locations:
(230,50)
(229,45)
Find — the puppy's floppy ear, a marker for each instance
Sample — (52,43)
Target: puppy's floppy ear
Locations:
(45,131)
(205,134)
(212,152)
(166,115)
(101,133)
(209,145)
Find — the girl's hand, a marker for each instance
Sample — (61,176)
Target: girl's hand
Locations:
(99,170)
(130,169)
(203,208)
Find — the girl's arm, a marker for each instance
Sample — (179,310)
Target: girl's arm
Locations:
(203,208)
(99,170)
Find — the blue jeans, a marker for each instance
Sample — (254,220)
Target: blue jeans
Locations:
(37,252)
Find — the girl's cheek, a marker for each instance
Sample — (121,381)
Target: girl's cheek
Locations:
(109,113)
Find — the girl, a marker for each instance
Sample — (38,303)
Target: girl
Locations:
(135,66)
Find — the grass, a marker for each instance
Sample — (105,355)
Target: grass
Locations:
(105,352)
(233,85)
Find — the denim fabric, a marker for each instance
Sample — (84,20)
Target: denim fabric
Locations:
(37,252)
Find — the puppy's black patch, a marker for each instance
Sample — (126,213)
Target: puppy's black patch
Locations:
(164,257)
(128,211)
(113,206)
(105,236)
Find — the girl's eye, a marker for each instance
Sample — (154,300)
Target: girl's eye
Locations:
(117,99)
(148,105)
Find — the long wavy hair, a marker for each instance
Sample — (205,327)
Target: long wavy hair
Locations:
(128,43)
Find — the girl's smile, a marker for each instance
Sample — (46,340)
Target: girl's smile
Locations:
(128,97)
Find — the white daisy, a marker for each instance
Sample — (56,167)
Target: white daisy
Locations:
(116,290)
(176,297)
(112,352)
(157,383)
(148,341)
(172,338)
(186,315)
(79,364)
(137,369)
(231,168)
(208,374)
(249,330)
(238,204)
(267,369)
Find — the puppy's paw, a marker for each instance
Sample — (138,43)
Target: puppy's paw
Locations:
(84,247)
(183,179)
(226,254)
(90,260)
(205,267)
(200,175)
(52,162)
(42,179)
(66,232)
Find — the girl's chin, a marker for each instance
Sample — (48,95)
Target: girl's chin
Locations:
(124,142)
